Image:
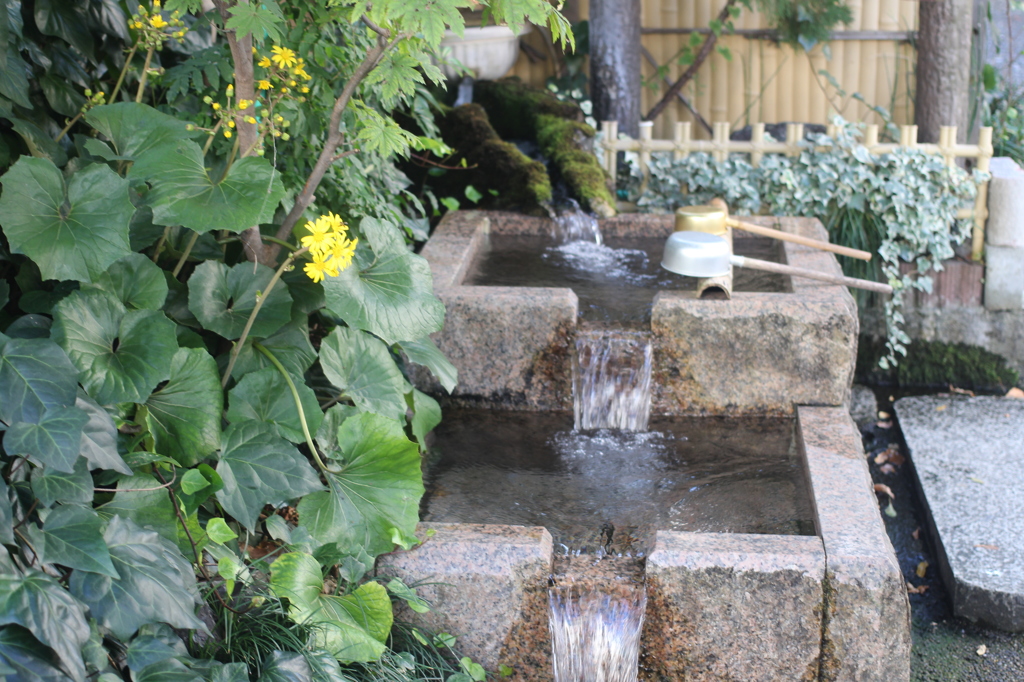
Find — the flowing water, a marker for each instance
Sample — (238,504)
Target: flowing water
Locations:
(611,380)
(570,224)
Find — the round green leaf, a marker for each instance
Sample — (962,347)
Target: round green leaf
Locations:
(219,531)
(378,488)
(184,415)
(222,298)
(71,232)
(55,440)
(35,376)
(135,129)
(361,367)
(264,396)
(122,355)
(296,576)
(136,281)
(184,193)
(290,345)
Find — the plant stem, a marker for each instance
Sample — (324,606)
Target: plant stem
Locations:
(68,127)
(185,254)
(142,78)
(124,70)
(298,404)
(273,240)
(160,244)
(255,311)
(209,140)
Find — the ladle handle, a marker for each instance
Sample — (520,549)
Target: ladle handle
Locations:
(781,269)
(797,239)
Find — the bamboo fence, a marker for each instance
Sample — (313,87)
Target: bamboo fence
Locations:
(720,146)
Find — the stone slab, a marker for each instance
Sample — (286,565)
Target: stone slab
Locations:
(866,633)
(733,607)
(863,405)
(1004,277)
(969,457)
(1005,224)
(487,585)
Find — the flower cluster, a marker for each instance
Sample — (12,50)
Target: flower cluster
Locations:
(154,28)
(285,72)
(331,250)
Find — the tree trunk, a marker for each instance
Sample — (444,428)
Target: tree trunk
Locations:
(615,62)
(943,67)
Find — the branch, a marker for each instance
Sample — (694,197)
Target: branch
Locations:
(686,103)
(702,55)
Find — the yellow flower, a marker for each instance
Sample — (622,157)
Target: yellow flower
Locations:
(250,119)
(283,56)
(264,85)
(334,223)
(227,134)
(316,269)
(156,5)
(305,89)
(244,103)
(157,21)
(254,51)
(319,240)
(264,62)
(341,254)
(216,107)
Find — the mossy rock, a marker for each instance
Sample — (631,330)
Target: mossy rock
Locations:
(933,364)
(512,106)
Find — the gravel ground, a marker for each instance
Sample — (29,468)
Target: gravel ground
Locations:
(946,649)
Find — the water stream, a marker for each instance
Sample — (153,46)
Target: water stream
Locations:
(611,380)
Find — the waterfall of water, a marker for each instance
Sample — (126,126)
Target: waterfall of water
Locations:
(611,380)
(595,637)
(573,224)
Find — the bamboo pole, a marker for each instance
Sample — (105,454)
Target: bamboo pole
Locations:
(985,152)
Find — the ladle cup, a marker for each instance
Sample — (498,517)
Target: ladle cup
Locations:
(700,254)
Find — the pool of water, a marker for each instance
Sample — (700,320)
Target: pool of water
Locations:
(614,489)
(615,281)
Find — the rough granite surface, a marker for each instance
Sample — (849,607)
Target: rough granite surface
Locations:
(866,634)
(733,607)
(969,457)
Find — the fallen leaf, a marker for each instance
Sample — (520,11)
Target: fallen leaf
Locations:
(916,590)
(922,568)
(982,650)
(1015,393)
(882,488)
(887,468)
(976,480)
(916,534)
(994,548)
(896,458)
(940,408)
(884,424)
(883,415)
(890,454)
(961,391)
(890,511)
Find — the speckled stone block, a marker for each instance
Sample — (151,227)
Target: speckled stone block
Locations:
(733,607)
(759,353)
(866,632)
(488,587)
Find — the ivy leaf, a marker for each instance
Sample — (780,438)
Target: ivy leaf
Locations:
(408,595)
(361,366)
(35,376)
(142,499)
(122,355)
(145,650)
(263,21)
(259,467)
(65,20)
(286,666)
(51,485)
(219,531)
(425,352)
(426,415)
(184,415)
(167,670)
(74,538)
(136,129)
(54,441)
(183,192)
(99,437)
(73,231)
(42,606)
(378,488)
(14,77)
(264,396)
(155,584)
(6,515)
(135,281)
(222,299)
(26,658)
(390,296)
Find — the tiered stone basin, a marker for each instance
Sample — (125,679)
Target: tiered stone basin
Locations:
(721,606)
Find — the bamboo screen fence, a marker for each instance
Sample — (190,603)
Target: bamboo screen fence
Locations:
(720,146)
(765,82)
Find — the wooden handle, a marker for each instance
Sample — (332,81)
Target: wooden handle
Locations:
(781,269)
(797,239)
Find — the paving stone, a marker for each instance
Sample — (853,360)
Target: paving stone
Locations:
(863,405)
(969,457)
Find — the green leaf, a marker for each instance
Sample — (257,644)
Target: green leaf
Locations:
(122,355)
(143,500)
(54,441)
(99,437)
(35,376)
(14,77)
(379,487)
(264,396)
(168,670)
(193,481)
(74,538)
(136,129)
(425,352)
(426,415)
(327,435)
(135,281)
(222,299)
(42,606)
(390,296)
(74,231)
(67,20)
(51,485)
(183,192)
(474,670)
(282,666)
(146,650)
(290,345)
(296,576)
(259,468)
(361,367)
(184,415)
(61,95)
(219,531)
(6,515)
(40,144)
(408,595)
(155,584)
(27,659)
(263,21)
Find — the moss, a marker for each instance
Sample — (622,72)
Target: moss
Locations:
(513,106)
(933,364)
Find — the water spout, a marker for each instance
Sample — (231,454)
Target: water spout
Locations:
(595,637)
(570,223)
(611,380)
(465,91)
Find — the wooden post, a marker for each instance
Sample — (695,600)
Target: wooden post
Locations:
(609,143)
(985,152)
(681,139)
(871,137)
(947,140)
(646,134)
(757,140)
(720,139)
(794,136)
